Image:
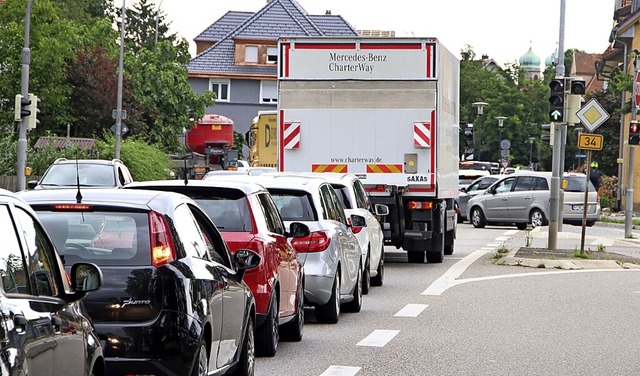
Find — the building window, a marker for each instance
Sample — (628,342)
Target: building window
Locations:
(272,55)
(251,54)
(268,92)
(221,89)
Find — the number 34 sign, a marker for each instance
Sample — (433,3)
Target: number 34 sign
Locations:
(590,141)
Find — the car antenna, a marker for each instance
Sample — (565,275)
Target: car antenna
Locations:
(185,171)
(78,195)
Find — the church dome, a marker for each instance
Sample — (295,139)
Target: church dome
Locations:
(530,60)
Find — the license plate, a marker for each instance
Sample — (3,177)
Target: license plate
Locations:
(576,207)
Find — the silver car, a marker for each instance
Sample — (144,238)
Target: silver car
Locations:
(523,198)
(475,188)
(331,254)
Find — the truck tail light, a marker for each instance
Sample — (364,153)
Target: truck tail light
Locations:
(317,241)
(162,251)
(420,205)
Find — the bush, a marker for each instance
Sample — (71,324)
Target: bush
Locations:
(607,192)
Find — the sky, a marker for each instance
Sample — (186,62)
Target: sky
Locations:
(502,29)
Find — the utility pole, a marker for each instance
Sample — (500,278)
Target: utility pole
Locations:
(24,90)
(119,100)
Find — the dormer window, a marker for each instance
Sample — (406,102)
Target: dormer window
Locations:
(255,52)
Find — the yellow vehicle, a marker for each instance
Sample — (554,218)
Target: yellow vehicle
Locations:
(262,140)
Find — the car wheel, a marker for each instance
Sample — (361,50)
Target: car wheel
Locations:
(293,330)
(477,218)
(246,364)
(201,367)
(366,276)
(379,278)
(537,218)
(268,333)
(356,304)
(330,312)
(521,226)
(590,223)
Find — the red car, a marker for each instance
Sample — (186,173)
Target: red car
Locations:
(248,219)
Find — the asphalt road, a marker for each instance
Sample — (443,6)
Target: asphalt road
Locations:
(469,316)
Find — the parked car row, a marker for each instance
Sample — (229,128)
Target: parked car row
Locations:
(197,277)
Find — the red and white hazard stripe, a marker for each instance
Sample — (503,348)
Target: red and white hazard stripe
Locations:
(292,135)
(421,135)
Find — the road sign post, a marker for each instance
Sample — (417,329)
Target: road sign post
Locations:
(587,142)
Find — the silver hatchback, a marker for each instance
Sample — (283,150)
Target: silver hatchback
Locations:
(523,198)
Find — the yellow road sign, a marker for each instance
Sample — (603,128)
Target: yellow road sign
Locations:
(590,141)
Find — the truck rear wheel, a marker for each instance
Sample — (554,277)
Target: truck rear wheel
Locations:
(415,257)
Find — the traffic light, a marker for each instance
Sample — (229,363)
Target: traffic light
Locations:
(556,100)
(547,137)
(468,135)
(32,119)
(21,109)
(578,86)
(634,133)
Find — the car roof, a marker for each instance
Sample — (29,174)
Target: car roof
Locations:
(135,199)
(331,177)
(86,161)
(247,187)
(284,180)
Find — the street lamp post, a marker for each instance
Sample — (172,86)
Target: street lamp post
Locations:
(501,120)
(531,139)
(479,106)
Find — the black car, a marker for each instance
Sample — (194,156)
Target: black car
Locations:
(173,300)
(43,328)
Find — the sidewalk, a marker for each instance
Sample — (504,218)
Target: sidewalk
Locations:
(605,247)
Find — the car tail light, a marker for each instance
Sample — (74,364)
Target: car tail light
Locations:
(162,251)
(417,205)
(356,229)
(72,207)
(317,241)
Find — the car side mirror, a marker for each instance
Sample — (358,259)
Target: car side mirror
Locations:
(381,209)
(86,277)
(32,184)
(298,230)
(358,221)
(245,259)
(463,189)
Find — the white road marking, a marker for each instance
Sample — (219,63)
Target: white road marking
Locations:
(340,371)
(448,279)
(607,242)
(411,310)
(378,338)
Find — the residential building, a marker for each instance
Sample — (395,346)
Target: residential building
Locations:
(237,56)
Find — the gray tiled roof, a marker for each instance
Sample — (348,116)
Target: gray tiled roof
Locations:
(277,18)
(223,26)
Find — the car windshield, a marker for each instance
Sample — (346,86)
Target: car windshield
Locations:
(104,238)
(294,205)
(85,174)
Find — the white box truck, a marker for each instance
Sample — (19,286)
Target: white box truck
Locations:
(387,110)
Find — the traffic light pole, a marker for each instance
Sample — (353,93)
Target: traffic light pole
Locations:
(628,215)
(22,128)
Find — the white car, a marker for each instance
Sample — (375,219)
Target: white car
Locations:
(331,254)
(355,200)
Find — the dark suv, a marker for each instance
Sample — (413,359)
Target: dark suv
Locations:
(43,328)
(173,300)
(91,173)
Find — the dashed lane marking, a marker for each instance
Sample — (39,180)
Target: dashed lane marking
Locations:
(411,310)
(340,371)
(378,338)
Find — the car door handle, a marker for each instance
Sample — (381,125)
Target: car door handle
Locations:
(504,199)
